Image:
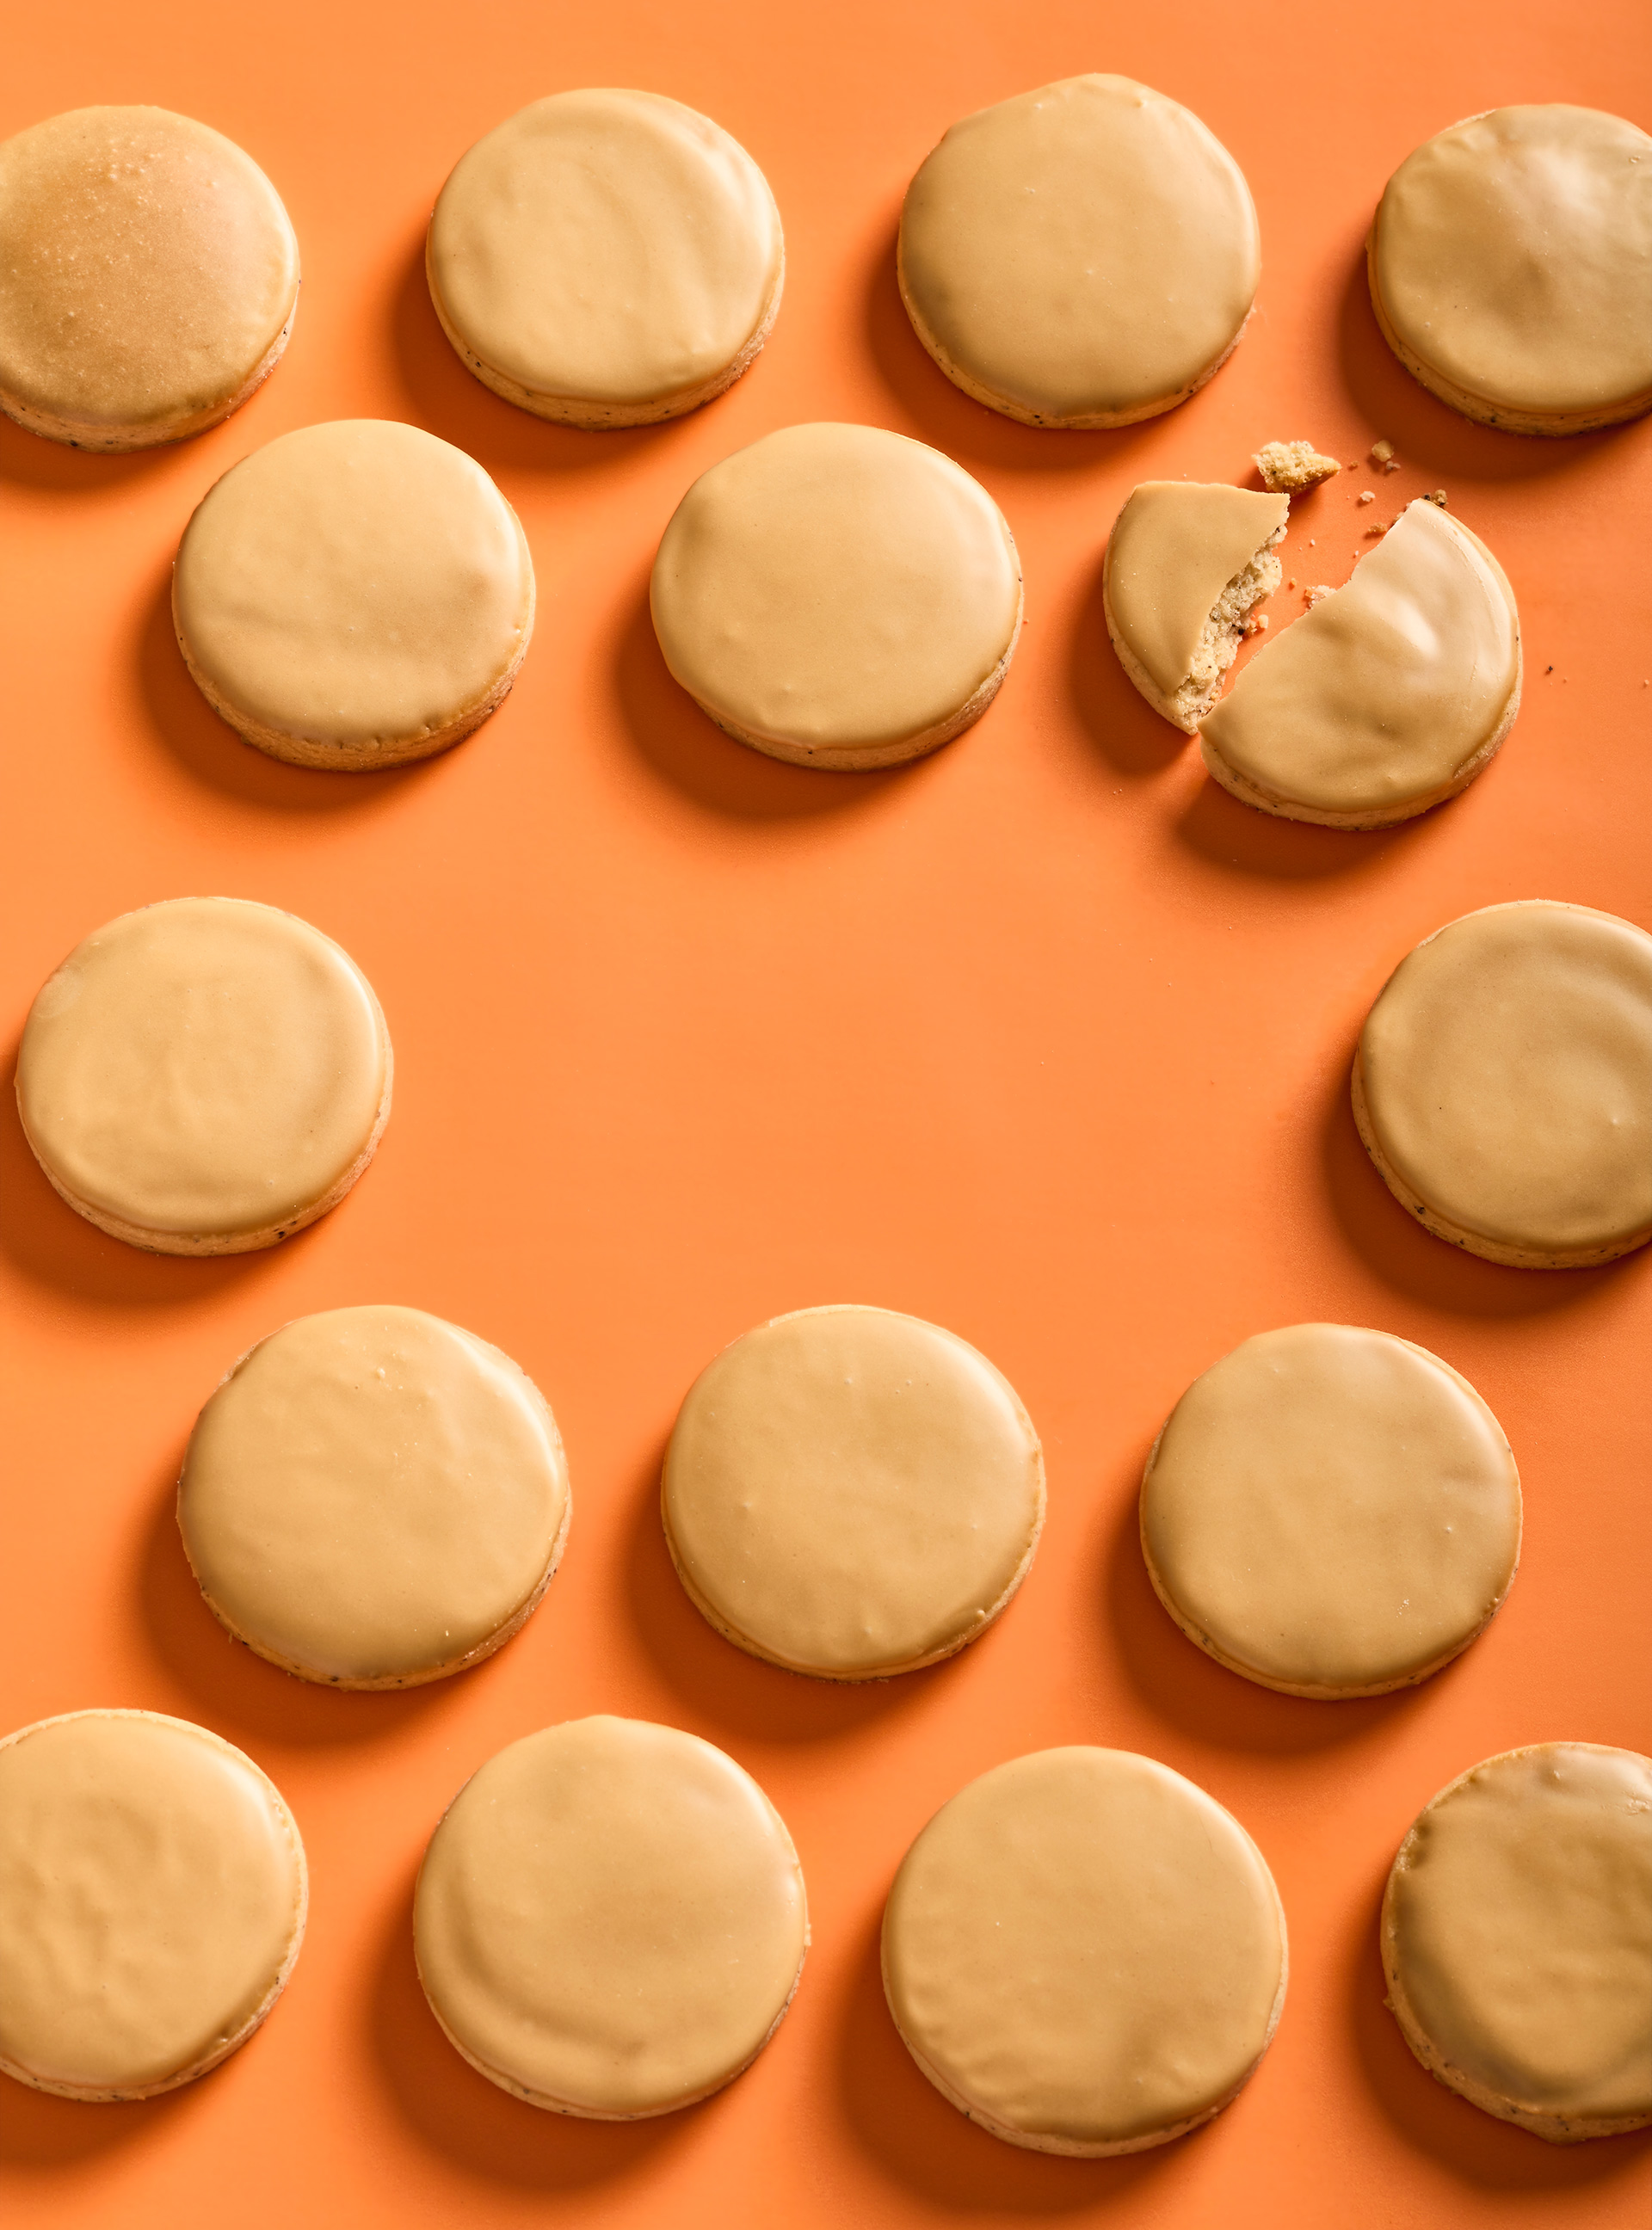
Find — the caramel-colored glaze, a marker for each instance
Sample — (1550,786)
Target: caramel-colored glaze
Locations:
(610,1919)
(353,584)
(153,1900)
(373,1497)
(1331,1510)
(1512,260)
(147,270)
(1517,1936)
(608,246)
(1382,695)
(852,1492)
(1174,548)
(1085,1952)
(1085,254)
(203,1068)
(1507,1077)
(835,588)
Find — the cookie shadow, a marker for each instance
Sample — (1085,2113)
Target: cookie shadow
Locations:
(721,1685)
(902,2122)
(1410,1261)
(470,2122)
(1113,711)
(211,750)
(58,1252)
(239,1695)
(954,422)
(41,2134)
(29,460)
(1428,433)
(1492,2156)
(1238,838)
(686,751)
(449,400)
(1200,1699)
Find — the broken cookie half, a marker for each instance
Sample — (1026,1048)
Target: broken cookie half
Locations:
(1388,696)
(1186,561)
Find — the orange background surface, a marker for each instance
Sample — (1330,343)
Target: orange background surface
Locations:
(1046,1039)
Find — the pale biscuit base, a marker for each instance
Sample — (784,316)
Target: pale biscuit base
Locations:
(866,758)
(1224,632)
(543,2101)
(1507,418)
(1471,1242)
(381,752)
(1068,2148)
(120,441)
(990,1617)
(1555,2128)
(199,1245)
(260,2013)
(1264,800)
(390,1681)
(1086,422)
(603,417)
(1310,1691)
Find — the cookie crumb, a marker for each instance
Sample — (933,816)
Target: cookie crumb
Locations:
(1318,593)
(1257,624)
(1437,496)
(1381,453)
(1288,467)
(1367,495)
(1290,584)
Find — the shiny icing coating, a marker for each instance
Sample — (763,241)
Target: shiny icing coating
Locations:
(1332,1512)
(851,1492)
(1384,697)
(204,1075)
(1504,1083)
(360,588)
(1517,1938)
(1084,1952)
(152,1900)
(148,275)
(608,248)
(837,595)
(1174,548)
(374,1498)
(1511,268)
(1083,256)
(610,1919)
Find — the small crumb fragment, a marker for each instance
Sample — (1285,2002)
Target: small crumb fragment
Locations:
(1381,453)
(1257,624)
(1318,593)
(1288,467)
(1439,497)
(1291,583)
(1367,495)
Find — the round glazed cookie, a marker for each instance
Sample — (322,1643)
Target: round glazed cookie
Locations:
(606,258)
(1185,562)
(204,1076)
(148,278)
(1331,1511)
(1517,1939)
(610,1919)
(1385,699)
(152,1900)
(353,595)
(838,596)
(1084,255)
(852,1493)
(374,1498)
(1085,1953)
(1508,265)
(1503,1084)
